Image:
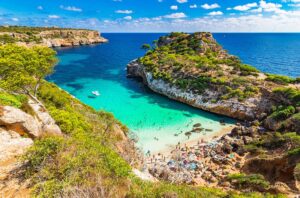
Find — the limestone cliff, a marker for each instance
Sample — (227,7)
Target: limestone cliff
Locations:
(249,109)
(194,69)
(50,37)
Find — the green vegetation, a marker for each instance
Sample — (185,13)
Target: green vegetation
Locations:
(196,62)
(7,99)
(22,69)
(29,30)
(247,69)
(13,34)
(282,113)
(272,141)
(280,79)
(6,39)
(253,181)
(84,158)
(146,47)
(291,95)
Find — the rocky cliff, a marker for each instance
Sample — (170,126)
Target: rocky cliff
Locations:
(65,38)
(194,69)
(50,37)
(250,109)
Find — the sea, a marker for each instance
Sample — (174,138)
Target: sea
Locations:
(154,120)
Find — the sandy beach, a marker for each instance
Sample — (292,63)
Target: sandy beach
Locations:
(191,142)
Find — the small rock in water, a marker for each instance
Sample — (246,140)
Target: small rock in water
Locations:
(197,130)
(197,125)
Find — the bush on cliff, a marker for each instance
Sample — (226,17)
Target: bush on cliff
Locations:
(280,79)
(253,181)
(7,99)
(282,113)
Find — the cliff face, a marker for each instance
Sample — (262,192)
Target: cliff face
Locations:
(65,38)
(50,37)
(250,109)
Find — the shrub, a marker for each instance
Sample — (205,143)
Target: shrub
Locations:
(254,181)
(247,68)
(5,38)
(38,155)
(290,94)
(283,113)
(12,100)
(280,79)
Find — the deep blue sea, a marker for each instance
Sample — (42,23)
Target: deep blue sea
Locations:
(155,119)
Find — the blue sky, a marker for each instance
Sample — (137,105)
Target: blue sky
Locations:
(156,15)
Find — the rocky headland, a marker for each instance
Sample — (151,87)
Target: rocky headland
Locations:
(194,69)
(50,37)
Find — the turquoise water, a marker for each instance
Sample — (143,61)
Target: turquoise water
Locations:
(155,119)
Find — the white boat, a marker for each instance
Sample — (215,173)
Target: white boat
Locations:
(96,93)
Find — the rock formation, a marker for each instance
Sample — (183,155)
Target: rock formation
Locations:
(51,37)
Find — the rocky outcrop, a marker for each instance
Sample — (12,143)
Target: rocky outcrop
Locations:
(250,109)
(66,38)
(12,145)
(47,123)
(35,125)
(17,120)
(57,37)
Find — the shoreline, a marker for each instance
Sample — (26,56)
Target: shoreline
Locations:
(189,143)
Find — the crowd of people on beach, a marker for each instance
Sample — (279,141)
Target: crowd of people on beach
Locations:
(198,163)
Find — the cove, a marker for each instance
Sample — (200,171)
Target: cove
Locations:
(155,119)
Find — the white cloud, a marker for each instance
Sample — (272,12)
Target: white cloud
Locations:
(212,6)
(174,7)
(291,1)
(245,7)
(270,7)
(53,16)
(71,8)
(182,1)
(160,1)
(157,18)
(294,5)
(40,8)
(124,11)
(193,6)
(215,13)
(15,19)
(177,15)
(128,17)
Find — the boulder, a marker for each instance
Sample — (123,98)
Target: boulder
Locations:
(12,144)
(47,123)
(16,120)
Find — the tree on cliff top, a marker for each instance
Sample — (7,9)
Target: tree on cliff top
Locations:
(22,69)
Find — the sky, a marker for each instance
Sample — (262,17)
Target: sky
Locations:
(156,15)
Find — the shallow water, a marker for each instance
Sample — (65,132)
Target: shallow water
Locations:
(155,119)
